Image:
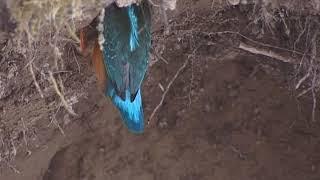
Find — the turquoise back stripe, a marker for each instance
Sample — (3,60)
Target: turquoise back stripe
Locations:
(134,43)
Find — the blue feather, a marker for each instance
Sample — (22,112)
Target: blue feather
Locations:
(126,44)
(131,111)
(134,43)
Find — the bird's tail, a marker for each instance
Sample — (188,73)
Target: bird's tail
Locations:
(131,111)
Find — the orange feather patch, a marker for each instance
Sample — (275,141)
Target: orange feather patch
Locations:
(82,40)
(99,67)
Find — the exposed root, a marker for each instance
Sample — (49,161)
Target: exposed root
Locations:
(55,122)
(155,54)
(10,166)
(309,65)
(161,87)
(35,80)
(161,58)
(301,33)
(57,57)
(25,129)
(191,56)
(167,90)
(303,79)
(267,53)
(62,98)
(315,69)
(314,105)
(254,41)
(76,60)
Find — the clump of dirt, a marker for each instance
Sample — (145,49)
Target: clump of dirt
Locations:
(229,114)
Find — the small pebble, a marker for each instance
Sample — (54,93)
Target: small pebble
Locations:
(102,150)
(163,124)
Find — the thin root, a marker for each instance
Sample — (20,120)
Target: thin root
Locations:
(267,53)
(167,89)
(11,166)
(62,98)
(35,80)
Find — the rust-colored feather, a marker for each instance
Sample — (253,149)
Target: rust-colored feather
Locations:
(99,67)
(82,40)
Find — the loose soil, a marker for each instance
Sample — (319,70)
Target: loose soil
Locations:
(229,115)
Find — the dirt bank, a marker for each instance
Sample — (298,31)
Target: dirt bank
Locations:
(229,114)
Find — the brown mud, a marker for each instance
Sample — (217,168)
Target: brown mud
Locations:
(229,115)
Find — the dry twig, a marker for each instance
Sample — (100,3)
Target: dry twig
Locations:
(167,89)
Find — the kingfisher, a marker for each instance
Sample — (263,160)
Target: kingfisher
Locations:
(120,58)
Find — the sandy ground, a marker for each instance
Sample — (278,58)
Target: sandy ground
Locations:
(230,115)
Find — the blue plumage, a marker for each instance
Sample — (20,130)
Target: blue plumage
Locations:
(125,43)
(134,43)
(131,111)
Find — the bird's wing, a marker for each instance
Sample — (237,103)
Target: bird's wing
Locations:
(139,58)
(115,47)
(126,67)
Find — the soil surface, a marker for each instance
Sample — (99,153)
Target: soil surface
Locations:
(229,115)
